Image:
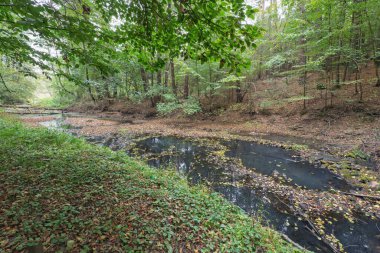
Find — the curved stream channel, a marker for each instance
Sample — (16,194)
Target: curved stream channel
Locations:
(216,163)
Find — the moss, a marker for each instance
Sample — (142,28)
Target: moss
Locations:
(357,153)
(298,147)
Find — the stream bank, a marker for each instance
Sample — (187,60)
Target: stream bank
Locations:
(305,204)
(61,194)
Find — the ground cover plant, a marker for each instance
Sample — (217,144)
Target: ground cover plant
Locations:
(59,193)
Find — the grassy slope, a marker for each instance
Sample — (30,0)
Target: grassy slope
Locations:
(72,196)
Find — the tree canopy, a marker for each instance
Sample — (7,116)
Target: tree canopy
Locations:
(93,32)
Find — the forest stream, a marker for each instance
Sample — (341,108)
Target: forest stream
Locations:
(268,182)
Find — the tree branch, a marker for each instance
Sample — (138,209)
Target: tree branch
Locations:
(5,85)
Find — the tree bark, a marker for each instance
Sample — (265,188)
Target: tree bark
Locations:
(89,86)
(303,60)
(144,79)
(174,86)
(377,64)
(5,85)
(376,59)
(239,94)
(166,75)
(159,77)
(186,87)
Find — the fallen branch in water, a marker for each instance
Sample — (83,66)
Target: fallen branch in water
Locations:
(362,195)
(286,238)
(312,228)
(315,232)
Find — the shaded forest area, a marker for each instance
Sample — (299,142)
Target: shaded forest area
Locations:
(298,54)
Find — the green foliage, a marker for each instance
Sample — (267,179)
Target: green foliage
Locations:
(90,195)
(266,104)
(191,106)
(231,78)
(54,102)
(299,147)
(298,98)
(167,108)
(357,153)
(86,35)
(157,90)
(80,43)
(15,86)
(321,86)
(88,55)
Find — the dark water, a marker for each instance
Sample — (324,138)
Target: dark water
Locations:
(268,160)
(271,160)
(193,161)
(196,162)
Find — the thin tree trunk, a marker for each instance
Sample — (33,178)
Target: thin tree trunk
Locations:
(126,82)
(327,85)
(356,82)
(88,78)
(174,86)
(186,87)
(89,86)
(5,85)
(197,80)
(345,72)
(377,64)
(337,80)
(144,79)
(341,25)
(360,88)
(166,75)
(376,59)
(303,60)
(239,95)
(331,90)
(159,77)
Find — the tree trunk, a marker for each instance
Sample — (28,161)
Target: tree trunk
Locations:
(337,80)
(5,85)
(89,86)
(159,77)
(186,87)
(144,78)
(174,86)
(360,86)
(166,74)
(197,80)
(376,59)
(88,79)
(126,82)
(327,85)
(303,60)
(356,82)
(377,65)
(239,94)
(345,72)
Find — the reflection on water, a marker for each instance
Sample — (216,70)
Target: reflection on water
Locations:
(270,160)
(191,159)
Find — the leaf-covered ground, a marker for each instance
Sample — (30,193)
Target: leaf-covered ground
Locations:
(58,193)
